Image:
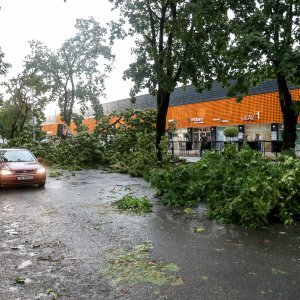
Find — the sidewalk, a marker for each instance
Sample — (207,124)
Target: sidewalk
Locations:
(190,158)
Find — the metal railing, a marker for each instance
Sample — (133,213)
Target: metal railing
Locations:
(269,149)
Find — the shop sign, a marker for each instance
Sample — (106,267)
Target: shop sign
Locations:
(196,120)
(251,117)
(220,120)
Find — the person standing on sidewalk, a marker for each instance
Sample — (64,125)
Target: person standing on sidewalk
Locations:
(257,142)
(203,143)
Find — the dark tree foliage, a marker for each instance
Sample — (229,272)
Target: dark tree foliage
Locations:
(177,42)
(265,45)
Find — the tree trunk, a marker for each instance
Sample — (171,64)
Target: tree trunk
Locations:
(24,117)
(69,107)
(163,99)
(13,129)
(12,132)
(290,117)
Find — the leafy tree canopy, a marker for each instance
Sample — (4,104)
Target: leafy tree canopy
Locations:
(26,101)
(176,42)
(265,42)
(265,45)
(75,74)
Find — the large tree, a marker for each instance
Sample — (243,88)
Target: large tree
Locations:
(72,73)
(177,41)
(25,104)
(265,45)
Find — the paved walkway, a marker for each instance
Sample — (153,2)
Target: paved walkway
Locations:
(190,158)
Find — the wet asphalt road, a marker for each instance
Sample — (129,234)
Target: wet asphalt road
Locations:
(58,239)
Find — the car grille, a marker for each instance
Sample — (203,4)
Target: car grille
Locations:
(18,182)
(25,172)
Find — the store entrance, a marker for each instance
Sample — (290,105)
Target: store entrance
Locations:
(197,133)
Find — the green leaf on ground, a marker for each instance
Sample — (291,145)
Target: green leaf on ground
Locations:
(278,272)
(136,266)
(19,280)
(188,210)
(199,229)
(55,173)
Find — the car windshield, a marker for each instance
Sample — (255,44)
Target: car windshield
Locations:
(16,156)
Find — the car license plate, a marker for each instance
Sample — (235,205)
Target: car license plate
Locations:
(25,177)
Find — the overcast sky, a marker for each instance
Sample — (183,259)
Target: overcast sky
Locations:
(52,22)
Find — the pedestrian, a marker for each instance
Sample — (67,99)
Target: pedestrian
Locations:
(65,132)
(245,138)
(257,141)
(172,147)
(203,143)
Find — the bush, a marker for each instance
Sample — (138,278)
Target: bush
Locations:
(287,172)
(239,187)
(231,132)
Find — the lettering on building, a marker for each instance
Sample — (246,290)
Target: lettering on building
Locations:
(196,120)
(251,117)
(220,120)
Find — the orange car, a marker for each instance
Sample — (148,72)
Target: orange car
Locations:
(20,167)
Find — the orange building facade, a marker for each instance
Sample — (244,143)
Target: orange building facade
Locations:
(210,112)
(255,113)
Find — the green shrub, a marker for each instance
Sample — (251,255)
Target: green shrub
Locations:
(239,187)
(231,132)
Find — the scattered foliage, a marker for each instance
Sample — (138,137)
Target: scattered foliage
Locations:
(132,204)
(19,280)
(55,173)
(136,266)
(200,229)
(278,272)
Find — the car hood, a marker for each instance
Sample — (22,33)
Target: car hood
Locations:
(17,166)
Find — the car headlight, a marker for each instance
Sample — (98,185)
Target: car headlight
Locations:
(41,171)
(5,172)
